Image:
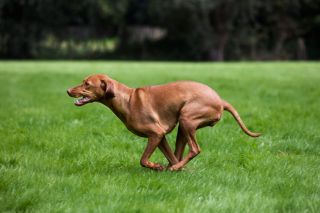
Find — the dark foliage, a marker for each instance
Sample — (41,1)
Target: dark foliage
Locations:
(167,29)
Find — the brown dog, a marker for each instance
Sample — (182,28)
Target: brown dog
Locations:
(154,111)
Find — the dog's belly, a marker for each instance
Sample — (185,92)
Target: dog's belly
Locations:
(145,126)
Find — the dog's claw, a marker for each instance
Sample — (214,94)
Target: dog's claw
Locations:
(158,167)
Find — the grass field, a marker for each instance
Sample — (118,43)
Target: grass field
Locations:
(55,157)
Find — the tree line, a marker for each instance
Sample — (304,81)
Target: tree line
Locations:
(213,30)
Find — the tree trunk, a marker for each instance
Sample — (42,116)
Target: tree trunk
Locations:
(278,50)
(301,49)
(222,45)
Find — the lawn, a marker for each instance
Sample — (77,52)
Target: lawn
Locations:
(55,157)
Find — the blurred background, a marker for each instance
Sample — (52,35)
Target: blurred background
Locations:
(195,30)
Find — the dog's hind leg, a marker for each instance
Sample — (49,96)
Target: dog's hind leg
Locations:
(181,143)
(188,129)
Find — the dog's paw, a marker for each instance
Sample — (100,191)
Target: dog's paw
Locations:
(175,168)
(158,167)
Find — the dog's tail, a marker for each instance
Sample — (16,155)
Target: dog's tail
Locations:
(231,109)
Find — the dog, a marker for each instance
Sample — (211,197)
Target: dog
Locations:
(154,111)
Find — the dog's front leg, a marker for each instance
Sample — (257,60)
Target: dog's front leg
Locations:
(166,150)
(153,143)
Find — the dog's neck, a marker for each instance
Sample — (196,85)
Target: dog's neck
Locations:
(119,104)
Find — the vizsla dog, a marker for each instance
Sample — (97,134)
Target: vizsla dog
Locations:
(154,111)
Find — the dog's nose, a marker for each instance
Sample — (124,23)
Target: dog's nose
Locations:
(69,92)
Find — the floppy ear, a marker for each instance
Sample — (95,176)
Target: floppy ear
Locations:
(107,86)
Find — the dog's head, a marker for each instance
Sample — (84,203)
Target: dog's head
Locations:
(93,88)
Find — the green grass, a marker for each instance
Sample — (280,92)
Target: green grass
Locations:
(55,157)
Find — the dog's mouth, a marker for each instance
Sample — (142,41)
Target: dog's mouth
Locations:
(82,101)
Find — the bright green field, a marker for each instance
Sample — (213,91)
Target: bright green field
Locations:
(55,157)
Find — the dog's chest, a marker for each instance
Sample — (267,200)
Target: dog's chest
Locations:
(136,129)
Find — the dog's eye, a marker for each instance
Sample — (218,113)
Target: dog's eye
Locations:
(86,84)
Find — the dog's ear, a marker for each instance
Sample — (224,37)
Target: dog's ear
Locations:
(108,87)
